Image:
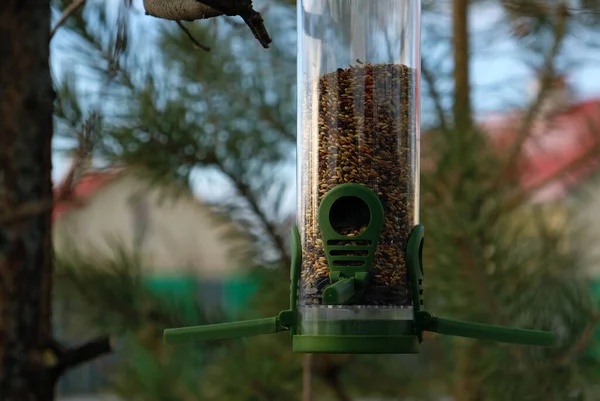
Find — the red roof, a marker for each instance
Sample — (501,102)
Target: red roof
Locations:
(85,187)
(567,142)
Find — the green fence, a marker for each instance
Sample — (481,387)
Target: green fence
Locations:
(227,295)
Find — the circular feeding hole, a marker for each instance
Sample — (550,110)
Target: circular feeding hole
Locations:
(349,215)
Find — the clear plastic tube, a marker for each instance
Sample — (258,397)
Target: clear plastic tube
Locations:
(358,122)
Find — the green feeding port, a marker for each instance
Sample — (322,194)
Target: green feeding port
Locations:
(349,212)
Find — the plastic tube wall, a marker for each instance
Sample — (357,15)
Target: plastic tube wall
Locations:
(358,122)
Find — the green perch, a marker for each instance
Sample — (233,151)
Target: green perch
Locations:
(223,330)
(428,322)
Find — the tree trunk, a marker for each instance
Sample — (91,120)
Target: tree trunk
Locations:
(467,387)
(462,86)
(26,100)
(307,378)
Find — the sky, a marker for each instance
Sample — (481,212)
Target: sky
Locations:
(495,63)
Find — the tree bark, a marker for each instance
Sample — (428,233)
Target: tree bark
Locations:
(26,101)
(467,386)
(462,86)
(307,377)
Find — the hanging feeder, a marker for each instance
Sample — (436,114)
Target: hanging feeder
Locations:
(356,271)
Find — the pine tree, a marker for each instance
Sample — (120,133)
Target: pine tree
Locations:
(490,255)
(31,359)
(26,194)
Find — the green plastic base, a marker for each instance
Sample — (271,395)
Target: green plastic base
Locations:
(370,327)
(329,331)
(344,344)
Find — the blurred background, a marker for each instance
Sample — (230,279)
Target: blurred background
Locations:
(174,175)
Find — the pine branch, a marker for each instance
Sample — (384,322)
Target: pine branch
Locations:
(246,192)
(585,158)
(72,357)
(191,37)
(435,94)
(518,9)
(266,114)
(82,157)
(471,266)
(485,293)
(583,341)
(70,10)
(548,71)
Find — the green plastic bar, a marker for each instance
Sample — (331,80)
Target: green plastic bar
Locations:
(489,332)
(221,331)
(339,292)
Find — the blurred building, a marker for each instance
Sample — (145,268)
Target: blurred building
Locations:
(184,247)
(173,232)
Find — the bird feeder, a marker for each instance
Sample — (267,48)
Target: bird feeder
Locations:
(356,282)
